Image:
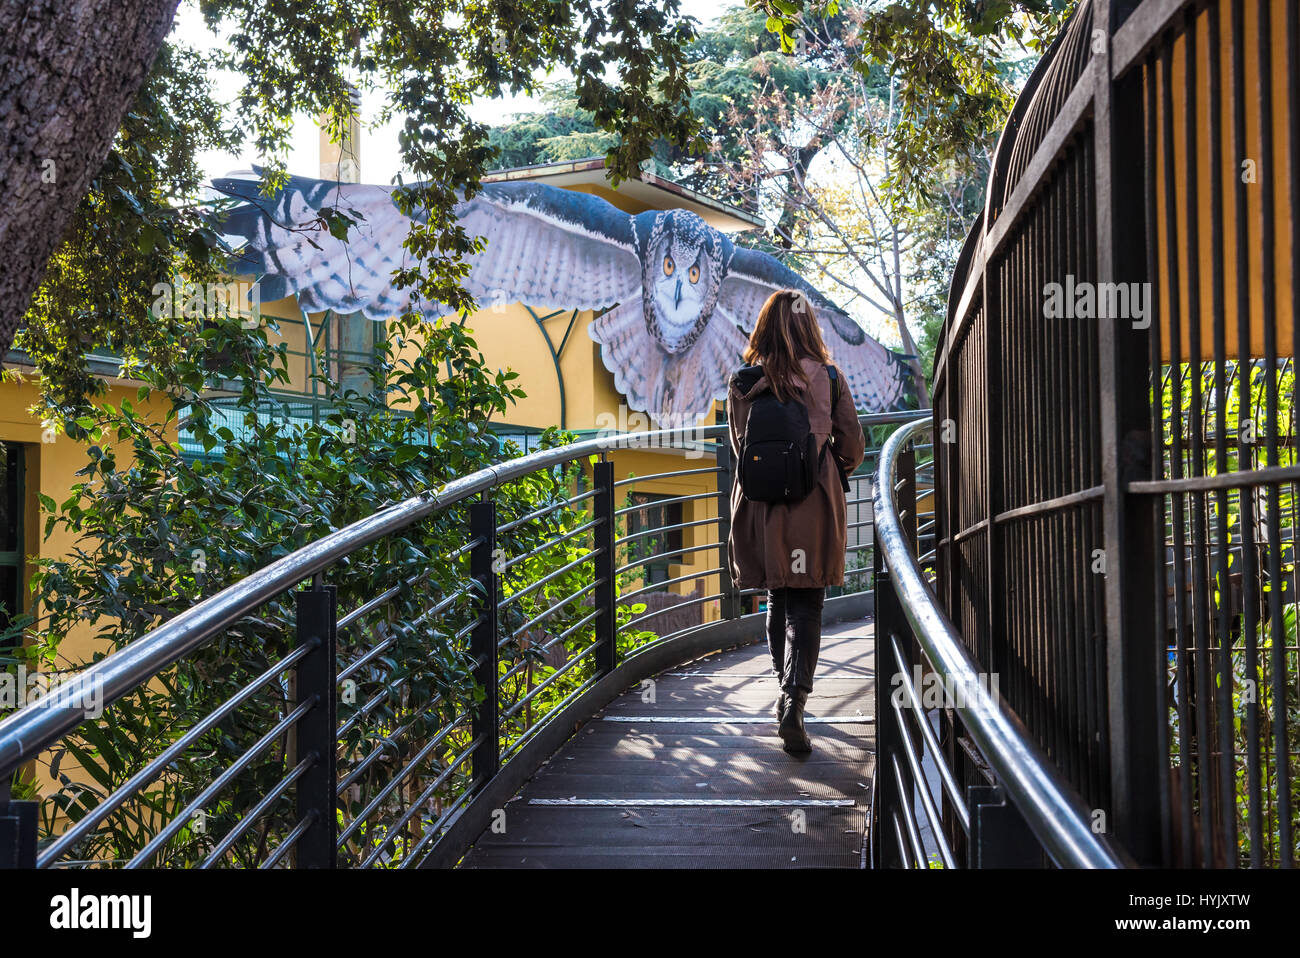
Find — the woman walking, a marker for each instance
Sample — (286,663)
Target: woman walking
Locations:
(788,513)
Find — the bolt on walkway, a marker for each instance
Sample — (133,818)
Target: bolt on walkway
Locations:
(686,771)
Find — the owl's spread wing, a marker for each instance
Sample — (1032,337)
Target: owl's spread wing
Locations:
(878,378)
(288,245)
(547,247)
(550,248)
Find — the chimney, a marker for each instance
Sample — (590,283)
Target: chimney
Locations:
(340,159)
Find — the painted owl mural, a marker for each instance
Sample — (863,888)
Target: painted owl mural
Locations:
(678,297)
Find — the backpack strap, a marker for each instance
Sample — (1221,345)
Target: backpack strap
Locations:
(835,396)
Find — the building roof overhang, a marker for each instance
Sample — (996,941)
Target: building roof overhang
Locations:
(648,191)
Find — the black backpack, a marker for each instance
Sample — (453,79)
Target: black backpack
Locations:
(779,458)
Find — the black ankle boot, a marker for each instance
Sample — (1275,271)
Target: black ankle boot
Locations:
(781,700)
(791,728)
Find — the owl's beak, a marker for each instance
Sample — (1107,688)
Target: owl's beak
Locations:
(677,295)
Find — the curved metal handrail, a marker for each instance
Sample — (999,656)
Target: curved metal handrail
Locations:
(1051,807)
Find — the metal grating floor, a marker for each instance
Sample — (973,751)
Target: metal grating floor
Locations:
(635,789)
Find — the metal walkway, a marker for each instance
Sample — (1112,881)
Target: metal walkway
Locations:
(693,776)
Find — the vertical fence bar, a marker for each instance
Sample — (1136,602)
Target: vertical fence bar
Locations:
(483,640)
(607,592)
(1132,657)
(317,611)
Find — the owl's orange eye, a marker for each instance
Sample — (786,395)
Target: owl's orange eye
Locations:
(695,273)
(669,266)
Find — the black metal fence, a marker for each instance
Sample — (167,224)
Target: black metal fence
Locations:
(1115,429)
(959,780)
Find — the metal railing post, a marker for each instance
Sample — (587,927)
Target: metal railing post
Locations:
(17,834)
(317,611)
(884,800)
(906,496)
(730,602)
(606,594)
(999,835)
(486,761)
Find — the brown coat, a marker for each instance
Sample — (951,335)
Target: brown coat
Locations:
(763,548)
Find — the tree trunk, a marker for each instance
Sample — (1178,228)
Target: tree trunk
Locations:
(69,69)
(909,347)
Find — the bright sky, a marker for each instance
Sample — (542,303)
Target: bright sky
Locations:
(380,158)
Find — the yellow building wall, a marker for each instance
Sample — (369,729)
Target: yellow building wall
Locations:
(51,461)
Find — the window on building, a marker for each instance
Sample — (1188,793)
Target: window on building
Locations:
(654,515)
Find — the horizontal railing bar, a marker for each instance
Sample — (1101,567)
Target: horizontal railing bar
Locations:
(364,710)
(364,815)
(456,554)
(143,777)
(551,643)
(289,841)
(542,615)
(1051,505)
(1140,30)
(673,528)
(909,816)
(466,630)
(219,783)
(660,556)
(380,599)
(1249,478)
(546,683)
(369,705)
(536,727)
(573,628)
(904,855)
(671,608)
(569,566)
(666,475)
(658,586)
(391,741)
(671,501)
(550,544)
(374,651)
(931,741)
(396,827)
(538,513)
(256,812)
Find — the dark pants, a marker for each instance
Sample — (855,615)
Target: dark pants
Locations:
(794,635)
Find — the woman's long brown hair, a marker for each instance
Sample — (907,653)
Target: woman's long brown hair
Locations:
(785,333)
